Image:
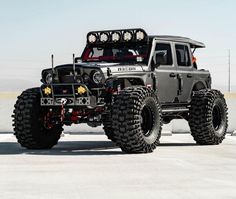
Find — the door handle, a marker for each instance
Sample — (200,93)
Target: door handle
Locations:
(173,75)
(189,75)
(181,84)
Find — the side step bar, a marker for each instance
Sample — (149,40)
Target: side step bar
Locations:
(175,110)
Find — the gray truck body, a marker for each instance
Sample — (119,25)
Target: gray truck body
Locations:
(130,83)
(173,83)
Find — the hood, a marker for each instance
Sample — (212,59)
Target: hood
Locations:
(65,74)
(116,68)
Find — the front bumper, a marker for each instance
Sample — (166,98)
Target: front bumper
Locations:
(69,95)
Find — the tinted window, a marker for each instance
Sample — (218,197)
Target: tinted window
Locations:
(165,48)
(182,54)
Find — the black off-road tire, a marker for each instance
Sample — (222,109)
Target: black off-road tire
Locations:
(29,128)
(136,120)
(107,126)
(208,117)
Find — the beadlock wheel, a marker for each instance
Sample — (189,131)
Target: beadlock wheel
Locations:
(31,122)
(208,117)
(136,120)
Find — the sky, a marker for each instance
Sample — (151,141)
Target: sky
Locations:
(30,31)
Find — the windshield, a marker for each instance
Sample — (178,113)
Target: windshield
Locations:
(125,53)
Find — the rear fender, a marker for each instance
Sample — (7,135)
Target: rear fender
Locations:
(199,86)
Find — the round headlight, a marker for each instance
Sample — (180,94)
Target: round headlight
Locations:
(92,38)
(127,36)
(48,78)
(97,77)
(140,35)
(115,37)
(104,37)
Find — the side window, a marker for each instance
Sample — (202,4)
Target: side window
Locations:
(182,54)
(166,49)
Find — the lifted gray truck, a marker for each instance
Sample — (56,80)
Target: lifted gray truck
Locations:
(131,83)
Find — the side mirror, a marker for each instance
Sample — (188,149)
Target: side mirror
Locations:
(78,60)
(160,58)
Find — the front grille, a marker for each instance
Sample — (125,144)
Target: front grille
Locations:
(70,79)
(63,90)
(66,75)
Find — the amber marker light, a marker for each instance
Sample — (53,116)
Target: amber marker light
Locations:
(81,90)
(47,90)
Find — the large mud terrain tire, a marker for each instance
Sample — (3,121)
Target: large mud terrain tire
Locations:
(136,120)
(28,122)
(208,117)
(107,126)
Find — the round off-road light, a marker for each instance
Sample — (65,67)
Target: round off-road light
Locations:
(140,35)
(127,36)
(97,77)
(92,38)
(115,37)
(104,37)
(48,78)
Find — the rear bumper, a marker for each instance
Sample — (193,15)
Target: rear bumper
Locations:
(69,95)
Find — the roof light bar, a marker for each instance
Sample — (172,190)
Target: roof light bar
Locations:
(115,36)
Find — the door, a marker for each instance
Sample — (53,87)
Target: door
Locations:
(185,71)
(166,73)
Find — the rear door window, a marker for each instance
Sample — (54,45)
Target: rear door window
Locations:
(182,55)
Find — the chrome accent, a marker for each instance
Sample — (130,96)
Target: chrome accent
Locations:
(170,110)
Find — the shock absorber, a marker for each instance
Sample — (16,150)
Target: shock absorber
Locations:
(75,116)
(63,103)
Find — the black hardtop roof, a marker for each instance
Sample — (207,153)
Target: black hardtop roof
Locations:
(193,43)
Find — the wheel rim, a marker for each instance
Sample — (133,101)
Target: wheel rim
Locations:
(217,117)
(147,120)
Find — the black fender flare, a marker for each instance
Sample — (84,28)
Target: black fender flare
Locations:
(199,85)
